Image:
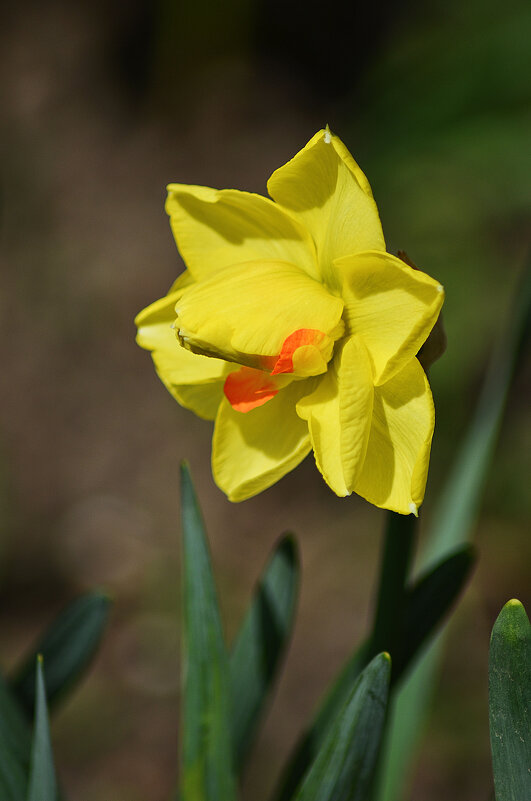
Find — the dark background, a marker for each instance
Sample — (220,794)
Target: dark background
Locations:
(104,103)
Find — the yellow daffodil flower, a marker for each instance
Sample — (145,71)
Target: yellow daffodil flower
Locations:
(293,329)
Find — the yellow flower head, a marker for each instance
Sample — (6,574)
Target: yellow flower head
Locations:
(293,329)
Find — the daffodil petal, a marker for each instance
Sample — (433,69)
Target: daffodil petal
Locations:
(323,187)
(345,155)
(391,306)
(339,416)
(247,388)
(196,382)
(184,279)
(396,461)
(246,314)
(216,228)
(251,451)
(202,399)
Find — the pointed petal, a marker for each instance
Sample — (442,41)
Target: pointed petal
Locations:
(246,313)
(196,382)
(323,187)
(215,229)
(391,306)
(396,462)
(250,452)
(339,417)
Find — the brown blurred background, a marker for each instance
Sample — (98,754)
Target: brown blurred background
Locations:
(103,103)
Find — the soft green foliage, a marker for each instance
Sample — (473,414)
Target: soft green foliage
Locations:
(317,732)
(429,601)
(338,757)
(510,703)
(68,645)
(42,783)
(261,642)
(207,773)
(67,648)
(344,764)
(452,526)
(343,768)
(15,745)
(424,606)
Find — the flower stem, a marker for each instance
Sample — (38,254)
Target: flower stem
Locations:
(398,546)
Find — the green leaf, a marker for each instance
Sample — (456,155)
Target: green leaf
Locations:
(510,703)
(42,784)
(426,604)
(261,642)
(207,773)
(15,746)
(428,601)
(313,739)
(67,648)
(451,526)
(344,766)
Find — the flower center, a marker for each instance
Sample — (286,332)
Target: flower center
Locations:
(305,352)
(248,388)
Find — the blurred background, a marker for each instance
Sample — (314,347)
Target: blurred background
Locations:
(104,103)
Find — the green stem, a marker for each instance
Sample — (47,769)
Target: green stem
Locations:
(398,546)
(397,553)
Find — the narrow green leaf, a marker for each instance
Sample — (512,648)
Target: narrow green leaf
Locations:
(510,703)
(452,525)
(15,746)
(207,773)
(42,784)
(426,604)
(67,648)
(344,766)
(261,642)
(13,780)
(428,601)
(313,739)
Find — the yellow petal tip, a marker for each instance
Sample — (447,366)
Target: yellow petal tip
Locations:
(327,135)
(440,288)
(413,508)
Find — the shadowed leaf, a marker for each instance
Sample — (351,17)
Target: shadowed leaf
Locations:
(67,648)
(428,601)
(261,642)
(15,745)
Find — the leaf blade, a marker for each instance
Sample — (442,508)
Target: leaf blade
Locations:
(67,648)
(15,746)
(311,741)
(42,783)
(207,753)
(440,585)
(510,703)
(344,766)
(428,601)
(261,641)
